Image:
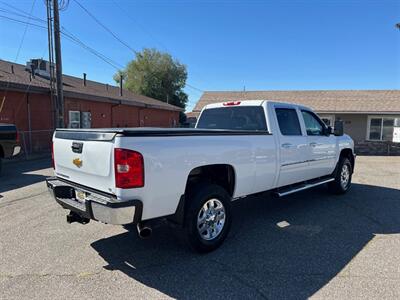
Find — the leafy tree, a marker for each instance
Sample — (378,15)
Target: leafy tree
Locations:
(156,74)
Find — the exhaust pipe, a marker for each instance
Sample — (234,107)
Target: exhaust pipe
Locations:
(74,217)
(144,231)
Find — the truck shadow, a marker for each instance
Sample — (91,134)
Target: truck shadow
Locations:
(261,259)
(22,173)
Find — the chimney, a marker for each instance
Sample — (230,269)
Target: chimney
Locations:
(120,85)
(84,79)
(12,69)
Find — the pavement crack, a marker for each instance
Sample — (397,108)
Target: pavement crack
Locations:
(43,275)
(241,280)
(12,202)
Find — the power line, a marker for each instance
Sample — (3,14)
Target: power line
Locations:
(22,22)
(18,51)
(151,35)
(105,27)
(70,36)
(194,88)
(26,28)
(73,39)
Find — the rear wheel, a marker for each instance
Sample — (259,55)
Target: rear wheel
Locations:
(342,182)
(208,217)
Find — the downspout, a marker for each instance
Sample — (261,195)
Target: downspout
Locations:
(29,123)
(112,112)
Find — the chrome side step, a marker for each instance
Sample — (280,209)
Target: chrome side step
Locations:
(302,187)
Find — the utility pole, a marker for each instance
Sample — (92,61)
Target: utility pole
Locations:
(57,50)
(50,37)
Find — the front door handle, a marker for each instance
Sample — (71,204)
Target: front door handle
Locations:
(313,144)
(286,145)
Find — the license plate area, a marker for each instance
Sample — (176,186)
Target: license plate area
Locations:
(80,195)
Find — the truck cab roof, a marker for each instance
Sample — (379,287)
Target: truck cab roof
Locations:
(252,103)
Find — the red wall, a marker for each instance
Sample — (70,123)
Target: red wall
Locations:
(15,110)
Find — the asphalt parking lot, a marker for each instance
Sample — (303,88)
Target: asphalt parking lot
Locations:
(335,247)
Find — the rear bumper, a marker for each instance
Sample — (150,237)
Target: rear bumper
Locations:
(97,205)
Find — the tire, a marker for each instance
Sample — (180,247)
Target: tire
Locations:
(1,164)
(342,182)
(208,217)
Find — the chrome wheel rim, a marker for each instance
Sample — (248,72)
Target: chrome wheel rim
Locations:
(345,176)
(211,219)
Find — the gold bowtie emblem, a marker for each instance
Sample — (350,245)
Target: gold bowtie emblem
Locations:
(77,162)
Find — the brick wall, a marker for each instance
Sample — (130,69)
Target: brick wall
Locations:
(377,148)
(32,113)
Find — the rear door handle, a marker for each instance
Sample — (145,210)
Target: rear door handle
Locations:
(286,145)
(313,144)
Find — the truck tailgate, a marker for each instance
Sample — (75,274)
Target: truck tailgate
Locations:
(86,162)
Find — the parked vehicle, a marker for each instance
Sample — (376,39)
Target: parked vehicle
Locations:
(191,176)
(9,144)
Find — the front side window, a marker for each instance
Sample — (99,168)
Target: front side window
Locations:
(288,121)
(381,129)
(313,125)
(233,118)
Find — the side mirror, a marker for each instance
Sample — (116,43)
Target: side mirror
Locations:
(338,131)
(328,130)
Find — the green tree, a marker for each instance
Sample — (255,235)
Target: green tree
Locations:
(156,74)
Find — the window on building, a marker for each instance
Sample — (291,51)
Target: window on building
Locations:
(328,120)
(288,121)
(74,119)
(380,128)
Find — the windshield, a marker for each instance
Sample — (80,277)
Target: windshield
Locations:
(234,118)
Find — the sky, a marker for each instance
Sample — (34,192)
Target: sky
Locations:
(226,45)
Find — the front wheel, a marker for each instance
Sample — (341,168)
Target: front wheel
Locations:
(342,182)
(208,217)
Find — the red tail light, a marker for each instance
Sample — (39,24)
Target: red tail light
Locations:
(52,155)
(17,136)
(129,169)
(232,103)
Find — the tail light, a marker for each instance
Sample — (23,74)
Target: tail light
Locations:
(17,137)
(232,103)
(129,169)
(52,155)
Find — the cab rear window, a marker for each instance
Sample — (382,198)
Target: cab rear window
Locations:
(233,118)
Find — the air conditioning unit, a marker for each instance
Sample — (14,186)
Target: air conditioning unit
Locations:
(39,66)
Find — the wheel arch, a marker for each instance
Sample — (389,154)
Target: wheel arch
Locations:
(223,175)
(348,153)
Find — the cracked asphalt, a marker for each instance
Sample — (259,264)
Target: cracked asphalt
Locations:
(330,247)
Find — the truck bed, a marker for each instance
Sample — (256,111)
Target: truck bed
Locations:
(107,134)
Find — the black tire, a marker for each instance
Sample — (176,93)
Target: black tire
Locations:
(339,185)
(198,198)
(1,164)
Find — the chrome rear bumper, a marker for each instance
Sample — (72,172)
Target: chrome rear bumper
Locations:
(96,205)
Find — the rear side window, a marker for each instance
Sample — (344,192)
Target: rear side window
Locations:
(288,121)
(233,118)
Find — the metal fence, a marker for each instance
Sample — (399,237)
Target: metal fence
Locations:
(35,141)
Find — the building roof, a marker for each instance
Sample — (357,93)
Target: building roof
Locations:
(21,80)
(322,101)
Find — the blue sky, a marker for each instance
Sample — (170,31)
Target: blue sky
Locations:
(226,45)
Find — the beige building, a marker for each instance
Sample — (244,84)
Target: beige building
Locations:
(370,116)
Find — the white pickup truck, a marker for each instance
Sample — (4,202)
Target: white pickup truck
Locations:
(191,176)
